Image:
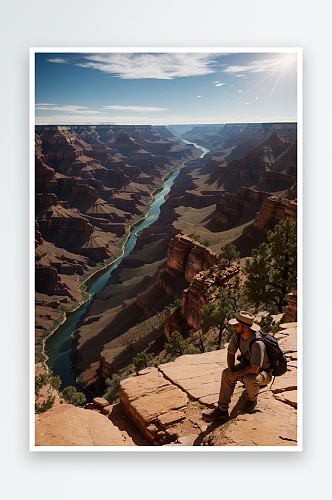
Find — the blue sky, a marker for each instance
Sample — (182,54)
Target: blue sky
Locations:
(165,88)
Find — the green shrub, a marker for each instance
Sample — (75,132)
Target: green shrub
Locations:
(176,345)
(112,392)
(71,395)
(142,360)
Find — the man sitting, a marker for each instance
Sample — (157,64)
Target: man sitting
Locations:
(253,370)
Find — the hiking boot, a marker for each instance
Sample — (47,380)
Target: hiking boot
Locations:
(215,414)
(249,406)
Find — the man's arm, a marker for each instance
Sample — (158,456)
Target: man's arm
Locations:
(248,369)
(230,361)
(234,376)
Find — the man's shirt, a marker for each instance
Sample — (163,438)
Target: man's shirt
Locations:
(257,356)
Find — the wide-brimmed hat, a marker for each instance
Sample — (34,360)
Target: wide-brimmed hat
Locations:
(245,318)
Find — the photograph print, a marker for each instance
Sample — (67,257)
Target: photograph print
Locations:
(164,260)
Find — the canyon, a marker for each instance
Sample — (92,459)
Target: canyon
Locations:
(92,184)
(86,198)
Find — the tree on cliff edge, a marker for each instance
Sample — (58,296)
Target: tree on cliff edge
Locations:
(72,396)
(272,272)
(218,312)
(176,345)
(229,254)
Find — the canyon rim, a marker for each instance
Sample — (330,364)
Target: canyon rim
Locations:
(159,177)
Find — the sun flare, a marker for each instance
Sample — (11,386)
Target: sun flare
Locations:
(288,61)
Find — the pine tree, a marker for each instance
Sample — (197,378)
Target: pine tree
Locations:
(272,272)
(198,339)
(229,254)
(112,392)
(176,345)
(219,312)
(141,360)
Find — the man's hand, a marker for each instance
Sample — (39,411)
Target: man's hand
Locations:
(232,377)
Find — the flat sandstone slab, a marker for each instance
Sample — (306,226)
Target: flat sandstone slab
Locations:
(288,397)
(67,425)
(197,374)
(286,382)
(170,418)
(147,397)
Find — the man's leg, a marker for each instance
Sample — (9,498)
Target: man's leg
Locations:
(225,395)
(252,383)
(226,391)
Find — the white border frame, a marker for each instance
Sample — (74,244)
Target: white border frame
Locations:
(33,51)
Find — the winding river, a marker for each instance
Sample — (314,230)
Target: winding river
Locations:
(59,345)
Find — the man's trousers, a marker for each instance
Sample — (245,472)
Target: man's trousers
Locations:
(251,381)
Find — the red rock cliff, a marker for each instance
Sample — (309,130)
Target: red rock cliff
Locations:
(234,207)
(189,257)
(195,297)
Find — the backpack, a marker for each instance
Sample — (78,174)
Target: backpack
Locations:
(276,357)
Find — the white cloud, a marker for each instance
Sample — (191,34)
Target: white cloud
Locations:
(134,108)
(220,84)
(67,109)
(198,96)
(256,97)
(263,65)
(236,69)
(215,82)
(58,60)
(158,66)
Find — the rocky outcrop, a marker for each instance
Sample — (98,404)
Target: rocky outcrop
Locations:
(45,200)
(287,161)
(49,282)
(187,264)
(195,200)
(152,403)
(143,165)
(288,130)
(163,131)
(243,172)
(271,149)
(243,136)
(64,228)
(161,402)
(119,228)
(86,191)
(236,209)
(113,178)
(66,425)
(163,407)
(44,175)
(124,143)
(69,269)
(276,181)
(188,257)
(196,296)
(273,211)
